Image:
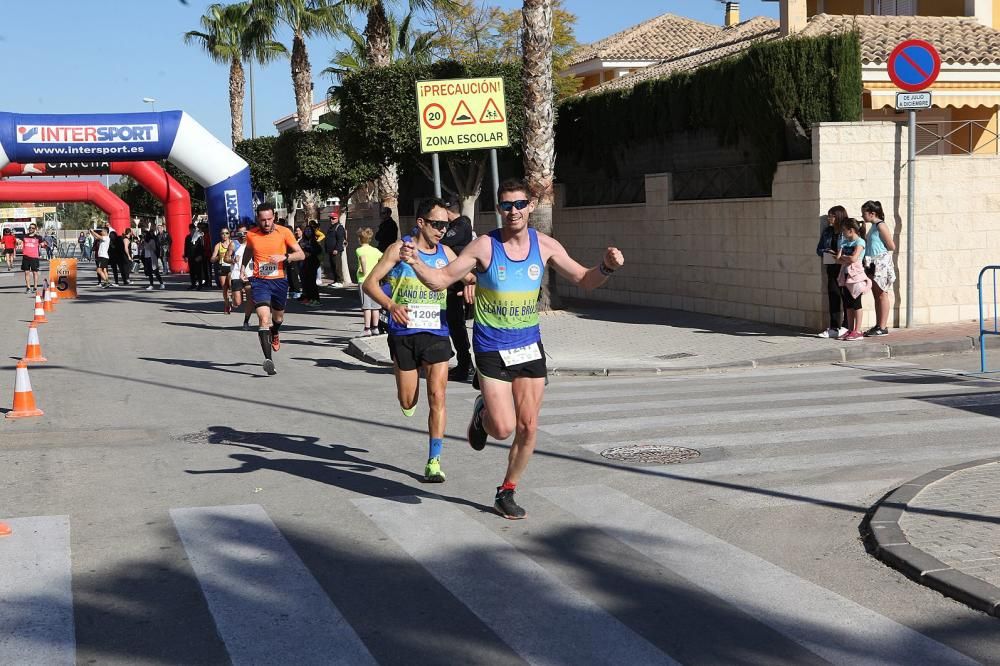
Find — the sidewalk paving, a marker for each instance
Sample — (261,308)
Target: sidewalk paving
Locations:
(943,530)
(605,339)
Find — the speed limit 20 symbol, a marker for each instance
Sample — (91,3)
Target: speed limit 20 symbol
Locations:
(435,116)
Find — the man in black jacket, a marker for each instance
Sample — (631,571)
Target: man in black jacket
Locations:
(388,231)
(459,235)
(194,252)
(336,242)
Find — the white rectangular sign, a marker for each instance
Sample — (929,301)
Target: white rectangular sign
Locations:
(913,101)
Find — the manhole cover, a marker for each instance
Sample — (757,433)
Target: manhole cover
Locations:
(650,454)
(672,357)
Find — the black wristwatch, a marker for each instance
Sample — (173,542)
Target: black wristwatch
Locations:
(286,257)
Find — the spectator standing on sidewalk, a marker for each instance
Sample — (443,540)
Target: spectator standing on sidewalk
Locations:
(81,240)
(206,264)
(878,264)
(151,258)
(88,247)
(459,235)
(51,244)
(829,243)
(368,256)
(852,280)
(336,243)
(194,252)
(388,231)
(163,236)
(310,266)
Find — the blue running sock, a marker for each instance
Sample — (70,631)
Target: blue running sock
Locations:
(435,448)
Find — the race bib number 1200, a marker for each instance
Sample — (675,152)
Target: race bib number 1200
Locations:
(425,316)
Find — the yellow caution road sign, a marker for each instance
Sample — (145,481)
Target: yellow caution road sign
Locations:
(462,114)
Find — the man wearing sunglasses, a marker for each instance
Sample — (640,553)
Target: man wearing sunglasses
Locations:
(510,265)
(418,323)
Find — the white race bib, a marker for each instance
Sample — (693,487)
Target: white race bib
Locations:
(425,316)
(521,355)
(267,270)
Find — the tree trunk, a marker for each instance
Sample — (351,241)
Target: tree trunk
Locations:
(302,82)
(378,36)
(388,190)
(236,95)
(539,131)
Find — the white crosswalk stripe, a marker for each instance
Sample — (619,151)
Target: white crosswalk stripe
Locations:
(508,590)
(36,599)
(833,627)
(267,606)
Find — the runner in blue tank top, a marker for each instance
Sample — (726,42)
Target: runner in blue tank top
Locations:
(418,324)
(510,264)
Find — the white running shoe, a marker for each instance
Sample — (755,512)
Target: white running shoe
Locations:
(163,286)
(149,288)
(841,332)
(828,333)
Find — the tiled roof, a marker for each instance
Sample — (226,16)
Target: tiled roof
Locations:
(724,43)
(959,40)
(665,36)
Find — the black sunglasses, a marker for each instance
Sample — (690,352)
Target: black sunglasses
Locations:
(440,225)
(507,206)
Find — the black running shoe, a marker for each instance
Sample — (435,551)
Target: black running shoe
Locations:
(875,332)
(269,367)
(476,432)
(505,505)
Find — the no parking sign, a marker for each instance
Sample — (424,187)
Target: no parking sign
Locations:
(914,65)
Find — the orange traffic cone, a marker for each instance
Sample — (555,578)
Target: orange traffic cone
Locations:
(55,295)
(24,399)
(39,311)
(47,300)
(5,530)
(33,352)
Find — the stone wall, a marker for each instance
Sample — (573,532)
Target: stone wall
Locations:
(755,258)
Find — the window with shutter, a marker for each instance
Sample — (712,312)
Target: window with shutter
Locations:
(896,7)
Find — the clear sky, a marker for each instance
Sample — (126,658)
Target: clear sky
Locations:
(104,56)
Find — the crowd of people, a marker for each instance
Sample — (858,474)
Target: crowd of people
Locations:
(857,259)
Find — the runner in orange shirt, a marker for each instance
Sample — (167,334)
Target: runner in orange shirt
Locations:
(271,247)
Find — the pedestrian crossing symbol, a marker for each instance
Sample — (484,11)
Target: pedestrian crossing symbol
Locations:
(462,114)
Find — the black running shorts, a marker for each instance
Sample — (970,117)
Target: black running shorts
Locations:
(29,264)
(409,352)
(490,364)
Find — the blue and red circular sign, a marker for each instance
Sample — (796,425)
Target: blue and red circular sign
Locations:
(914,65)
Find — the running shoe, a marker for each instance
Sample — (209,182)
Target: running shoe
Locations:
(27,290)
(149,288)
(408,412)
(269,367)
(226,308)
(853,335)
(275,342)
(828,333)
(246,326)
(875,332)
(163,286)
(477,433)
(432,471)
(505,505)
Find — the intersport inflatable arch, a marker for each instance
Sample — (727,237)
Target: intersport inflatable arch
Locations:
(136,137)
(175,199)
(86,191)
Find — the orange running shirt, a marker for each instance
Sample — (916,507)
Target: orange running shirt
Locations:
(264,245)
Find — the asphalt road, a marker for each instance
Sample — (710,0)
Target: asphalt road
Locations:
(176,506)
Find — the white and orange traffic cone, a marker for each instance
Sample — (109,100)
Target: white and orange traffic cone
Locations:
(39,311)
(33,352)
(47,301)
(24,399)
(55,294)
(5,530)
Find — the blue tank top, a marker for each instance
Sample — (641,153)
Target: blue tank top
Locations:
(506,309)
(404,287)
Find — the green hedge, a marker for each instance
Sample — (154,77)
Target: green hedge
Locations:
(748,100)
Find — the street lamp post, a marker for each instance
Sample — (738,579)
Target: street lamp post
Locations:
(151,101)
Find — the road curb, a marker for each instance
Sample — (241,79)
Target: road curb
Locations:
(884,538)
(362,348)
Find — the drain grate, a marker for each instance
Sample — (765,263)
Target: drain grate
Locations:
(673,357)
(650,454)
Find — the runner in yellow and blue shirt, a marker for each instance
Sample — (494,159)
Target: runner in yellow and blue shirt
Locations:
(417,323)
(510,264)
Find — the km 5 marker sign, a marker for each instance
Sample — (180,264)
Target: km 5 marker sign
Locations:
(462,114)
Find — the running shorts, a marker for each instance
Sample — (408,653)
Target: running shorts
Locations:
(409,352)
(103,262)
(273,291)
(237,285)
(8,250)
(491,365)
(29,264)
(224,270)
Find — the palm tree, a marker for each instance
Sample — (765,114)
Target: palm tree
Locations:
(378,37)
(408,46)
(229,35)
(539,130)
(305,18)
